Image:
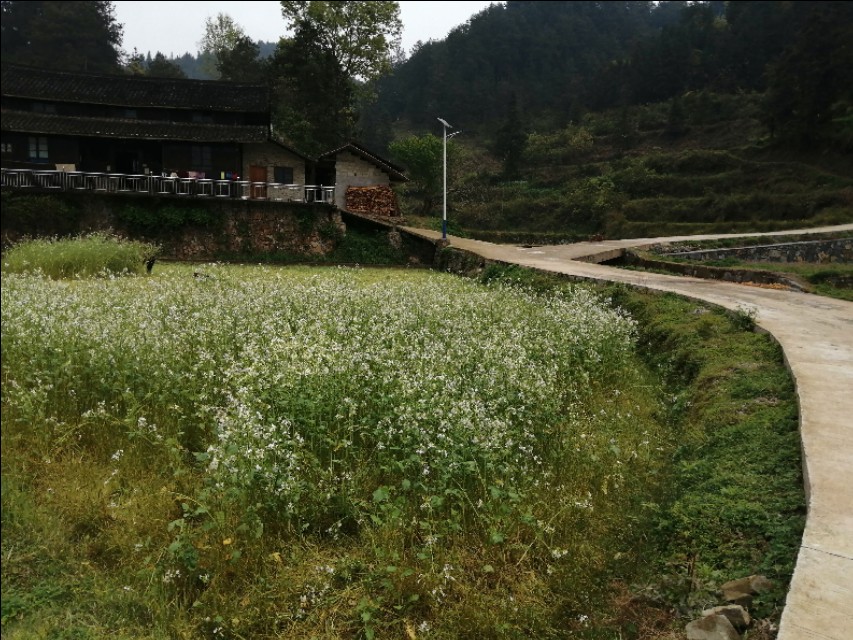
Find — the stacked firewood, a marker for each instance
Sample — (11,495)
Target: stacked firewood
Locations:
(378,200)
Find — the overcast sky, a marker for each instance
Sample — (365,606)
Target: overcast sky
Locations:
(175,28)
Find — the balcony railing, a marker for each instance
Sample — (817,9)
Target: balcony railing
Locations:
(154,185)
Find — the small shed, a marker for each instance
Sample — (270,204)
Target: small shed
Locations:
(354,166)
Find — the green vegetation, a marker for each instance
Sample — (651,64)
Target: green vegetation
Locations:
(737,505)
(636,119)
(424,158)
(562,60)
(98,254)
(257,452)
(734,504)
(580,181)
(165,218)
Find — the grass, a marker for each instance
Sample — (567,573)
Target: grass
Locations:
(735,503)
(262,452)
(79,257)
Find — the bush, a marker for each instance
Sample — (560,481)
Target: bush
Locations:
(82,256)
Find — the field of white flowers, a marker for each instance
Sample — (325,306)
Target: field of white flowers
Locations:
(335,452)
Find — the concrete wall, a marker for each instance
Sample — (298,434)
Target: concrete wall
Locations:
(352,171)
(269,155)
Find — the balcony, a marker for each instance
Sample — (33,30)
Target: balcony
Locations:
(163,186)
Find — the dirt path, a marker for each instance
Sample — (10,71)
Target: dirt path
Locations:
(816,335)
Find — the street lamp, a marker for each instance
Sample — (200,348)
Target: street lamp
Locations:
(446,126)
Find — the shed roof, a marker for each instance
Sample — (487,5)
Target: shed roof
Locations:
(393,171)
(132,91)
(52,124)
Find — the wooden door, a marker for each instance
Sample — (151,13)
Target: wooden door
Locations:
(258,178)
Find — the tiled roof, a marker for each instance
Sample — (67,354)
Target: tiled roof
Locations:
(395,172)
(51,124)
(132,91)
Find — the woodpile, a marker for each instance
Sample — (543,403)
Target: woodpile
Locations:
(378,200)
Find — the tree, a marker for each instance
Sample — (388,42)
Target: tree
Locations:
(676,120)
(511,140)
(312,96)
(812,82)
(161,67)
(221,35)
(360,36)
(242,62)
(78,36)
(423,158)
(136,64)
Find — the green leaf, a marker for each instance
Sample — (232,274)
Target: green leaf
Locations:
(381,494)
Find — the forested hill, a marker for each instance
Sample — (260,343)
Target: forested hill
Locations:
(560,59)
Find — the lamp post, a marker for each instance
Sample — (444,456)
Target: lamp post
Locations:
(446,126)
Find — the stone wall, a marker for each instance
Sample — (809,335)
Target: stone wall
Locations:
(250,230)
(185,229)
(271,155)
(815,251)
(352,171)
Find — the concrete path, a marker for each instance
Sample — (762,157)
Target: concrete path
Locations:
(816,334)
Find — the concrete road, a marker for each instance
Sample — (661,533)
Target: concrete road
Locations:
(816,334)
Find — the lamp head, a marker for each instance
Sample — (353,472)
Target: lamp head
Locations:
(445,123)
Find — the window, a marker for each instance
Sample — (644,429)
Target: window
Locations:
(284,175)
(6,147)
(202,158)
(38,149)
(202,118)
(130,114)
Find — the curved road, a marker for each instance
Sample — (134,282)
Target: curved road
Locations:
(816,334)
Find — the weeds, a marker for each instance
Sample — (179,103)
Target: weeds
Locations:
(80,257)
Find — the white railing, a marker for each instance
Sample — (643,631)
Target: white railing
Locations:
(155,185)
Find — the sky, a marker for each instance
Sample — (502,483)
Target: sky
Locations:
(175,28)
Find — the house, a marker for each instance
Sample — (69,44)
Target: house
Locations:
(138,125)
(354,166)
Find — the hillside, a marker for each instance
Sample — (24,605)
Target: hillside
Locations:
(635,172)
(630,118)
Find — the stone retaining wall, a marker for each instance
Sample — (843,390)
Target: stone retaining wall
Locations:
(815,251)
(185,230)
(713,273)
